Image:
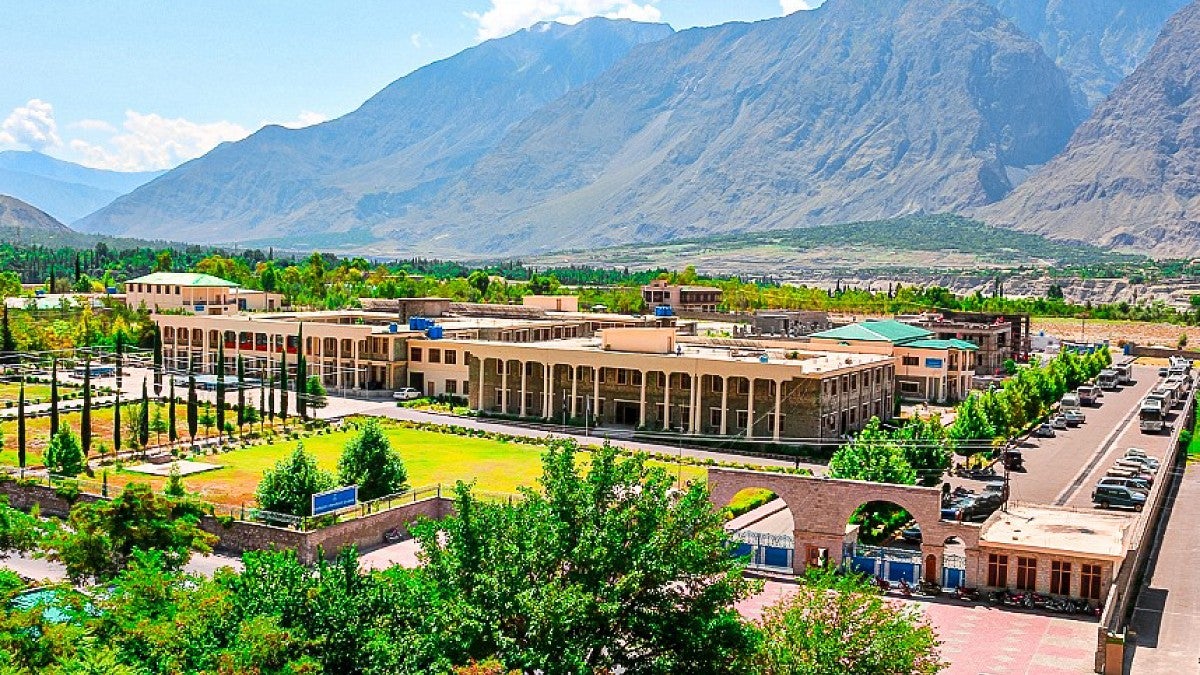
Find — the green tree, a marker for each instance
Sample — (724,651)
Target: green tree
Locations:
(1010,367)
(288,487)
(193,406)
(221,384)
(873,456)
(369,462)
(842,625)
(85,415)
(143,423)
(7,344)
(63,455)
(20,532)
(162,262)
(315,391)
(970,427)
(21,428)
(53,396)
(241,395)
(617,571)
(480,280)
(283,386)
(174,487)
(301,375)
(100,537)
(924,444)
(172,430)
(158,425)
(207,420)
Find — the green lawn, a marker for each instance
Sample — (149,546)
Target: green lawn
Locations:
(10,391)
(431,457)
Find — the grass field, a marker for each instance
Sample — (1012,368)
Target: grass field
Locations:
(431,457)
(37,431)
(10,391)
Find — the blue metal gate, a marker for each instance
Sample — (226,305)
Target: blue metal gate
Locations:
(893,564)
(765,551)
(954,570)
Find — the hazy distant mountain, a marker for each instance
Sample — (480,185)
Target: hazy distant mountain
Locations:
(862,109)
(23,223)
(1130,176)
(65,190)
(1097,42)
(421,131)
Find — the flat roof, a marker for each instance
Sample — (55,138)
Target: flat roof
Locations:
(183,279)
(807,361)
(885,330)
(1070,531)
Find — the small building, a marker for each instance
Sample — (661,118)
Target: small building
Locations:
(996,339)
(1056,550)
(192,293)
(926,368)
(788,323)
(252,300)
(552,303)
(681,298)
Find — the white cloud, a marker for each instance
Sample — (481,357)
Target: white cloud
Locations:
(789,6)
(306,118)
(416,40)
(148,142)
(507,16)
(31,125)
(93,125)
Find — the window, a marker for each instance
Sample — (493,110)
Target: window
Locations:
(685,380)
(600,374)
(714,418)
(499,397)
(499,367)
(416,354)
(910,361)
(636,378)
(997,574)
(1026,574)
(909,387)
(466,387)
(435,356)
(1089,581)
(716,384)
(1060,577)
(451,387)
(854,381)
(622,376)
(833,386)
(741,419)
(177,290)
(743,386)
(451,357)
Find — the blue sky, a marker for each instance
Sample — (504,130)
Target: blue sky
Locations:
(140,84)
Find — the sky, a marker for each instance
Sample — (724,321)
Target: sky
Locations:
(137,85)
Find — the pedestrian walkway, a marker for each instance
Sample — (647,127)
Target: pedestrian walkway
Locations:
(1167,614)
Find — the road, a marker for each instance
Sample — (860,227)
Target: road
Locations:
(1167,614)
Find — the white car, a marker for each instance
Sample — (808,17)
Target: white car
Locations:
(406,394)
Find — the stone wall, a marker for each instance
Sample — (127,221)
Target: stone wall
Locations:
(25,496)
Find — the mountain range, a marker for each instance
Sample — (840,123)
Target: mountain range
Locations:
(1130,177)
(610,132)
(65,190)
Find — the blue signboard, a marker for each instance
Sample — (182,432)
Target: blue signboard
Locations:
(934,363)
(332,500)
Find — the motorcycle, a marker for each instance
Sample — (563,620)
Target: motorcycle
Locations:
(1012,599)
(883,584)
(393,535)
(927,587)
(967,594)
(1037,600)
(905,589)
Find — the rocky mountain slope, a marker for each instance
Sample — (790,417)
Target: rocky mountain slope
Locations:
(419,132)
(1098,42)
(862,109)
(65,190)
(23,223)
(1130,177)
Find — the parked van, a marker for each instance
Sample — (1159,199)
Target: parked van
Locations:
(1070,401)
(1089,394)
(1135,483)
(1108,496)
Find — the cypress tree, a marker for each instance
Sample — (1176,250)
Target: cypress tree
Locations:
(283,386)
(53,396)
(119,344)
(172,431)
(301,375)
(271,401)
(85,415)
(262,405)
(158,361)
(143,438)
(21,428)
(193,410)
(221,387)
(241,385)
(7,344)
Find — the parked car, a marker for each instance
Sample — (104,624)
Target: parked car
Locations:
(1137,464)
(1058,422)
(406,394)
(1106,497)
(911,534)
(1074,417)
(1162,372)
(1138,452)
(1127,472)
(1135,483)
(1044,431)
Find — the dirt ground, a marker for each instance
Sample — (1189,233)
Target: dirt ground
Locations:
(1094,330)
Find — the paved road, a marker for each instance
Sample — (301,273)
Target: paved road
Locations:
(1167,614)
(1054,465)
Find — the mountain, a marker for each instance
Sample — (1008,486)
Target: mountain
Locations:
(416,134)
(23,223)
(1097,42)
(859,110)
(65,190)
(1130,177)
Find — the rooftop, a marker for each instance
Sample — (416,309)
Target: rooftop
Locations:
(184,279)
(1059,529)
(941,344)
(883,330)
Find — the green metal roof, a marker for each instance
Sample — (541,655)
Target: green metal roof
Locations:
(183,279)
(888,330)
(941,344)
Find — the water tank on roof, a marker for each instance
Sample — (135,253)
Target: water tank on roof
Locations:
(39,293)
(434,332)
(664,310)
(392,327)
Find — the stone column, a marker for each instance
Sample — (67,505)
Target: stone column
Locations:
(724,405)
(574,391)
(666,420)
(596,392)
(547,391)
(521,404)
(750,411)
(778,407)
(504,386)
(694,404)
(642,402)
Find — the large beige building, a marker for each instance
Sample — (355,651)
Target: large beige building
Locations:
(193,293)
(644,378)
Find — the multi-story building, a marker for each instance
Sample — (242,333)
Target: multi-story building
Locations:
(995,339)
(681,298)
(643,377)
(926,368)
(193,293)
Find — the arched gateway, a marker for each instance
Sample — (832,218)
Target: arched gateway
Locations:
(821,508)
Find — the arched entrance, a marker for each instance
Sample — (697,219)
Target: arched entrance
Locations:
(761,528)
(954,562)
(884,540)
